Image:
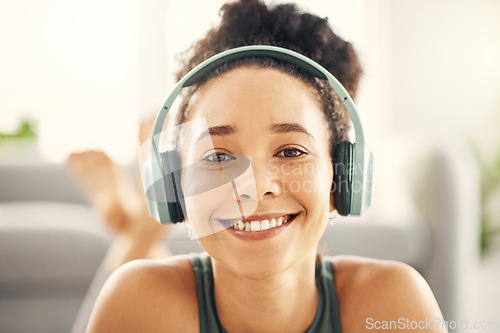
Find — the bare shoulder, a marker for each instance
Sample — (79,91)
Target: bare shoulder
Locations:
(148,296)
(373,293)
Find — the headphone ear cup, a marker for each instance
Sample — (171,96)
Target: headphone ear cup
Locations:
(343,176)
(171,165)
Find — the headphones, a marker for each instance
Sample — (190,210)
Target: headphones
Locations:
(352,162)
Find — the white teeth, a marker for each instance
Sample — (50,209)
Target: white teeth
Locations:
(255,226)
(260,225)
(241,225)
(264,225)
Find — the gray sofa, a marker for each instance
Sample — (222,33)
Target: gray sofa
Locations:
(51,241)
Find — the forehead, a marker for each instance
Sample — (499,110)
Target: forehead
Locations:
(250,94)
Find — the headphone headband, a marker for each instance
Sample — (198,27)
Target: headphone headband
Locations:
(362,159)
(199,72)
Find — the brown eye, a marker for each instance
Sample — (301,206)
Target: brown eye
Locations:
(291,153)
(218,158)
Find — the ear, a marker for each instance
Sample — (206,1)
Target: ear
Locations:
(332,202)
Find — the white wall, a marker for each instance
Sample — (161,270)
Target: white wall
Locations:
(444,65)
(153,56)
(71,65)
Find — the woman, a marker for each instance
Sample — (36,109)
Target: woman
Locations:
(281,120)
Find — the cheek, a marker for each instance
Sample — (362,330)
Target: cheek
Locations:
(210,197)
(201,194)
(311,182)
(200,210)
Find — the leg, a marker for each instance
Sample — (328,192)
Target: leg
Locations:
(122,208)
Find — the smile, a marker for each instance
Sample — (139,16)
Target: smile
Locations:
(259,225)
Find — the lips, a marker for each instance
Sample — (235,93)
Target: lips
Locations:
(255,224)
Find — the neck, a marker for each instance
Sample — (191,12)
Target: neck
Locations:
(287,301)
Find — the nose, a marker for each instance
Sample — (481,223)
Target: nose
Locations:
(259,182)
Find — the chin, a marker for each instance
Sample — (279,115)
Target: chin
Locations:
(261,260)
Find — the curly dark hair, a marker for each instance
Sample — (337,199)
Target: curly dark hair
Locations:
(252,22)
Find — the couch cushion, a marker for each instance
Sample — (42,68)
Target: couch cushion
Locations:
(49,253)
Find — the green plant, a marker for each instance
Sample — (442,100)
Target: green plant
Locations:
(490,198)
(25,130)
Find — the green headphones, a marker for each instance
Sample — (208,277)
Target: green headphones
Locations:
(352,162)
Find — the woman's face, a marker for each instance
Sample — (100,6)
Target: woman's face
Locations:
(275,122)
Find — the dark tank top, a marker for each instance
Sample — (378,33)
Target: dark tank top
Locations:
(327,317)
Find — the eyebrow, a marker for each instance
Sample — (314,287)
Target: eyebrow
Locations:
(276,128)
(216,131)
(291,127)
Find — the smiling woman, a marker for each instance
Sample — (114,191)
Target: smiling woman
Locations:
(261,101)
(260,229)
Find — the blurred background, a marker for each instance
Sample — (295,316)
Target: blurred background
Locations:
(79,75)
